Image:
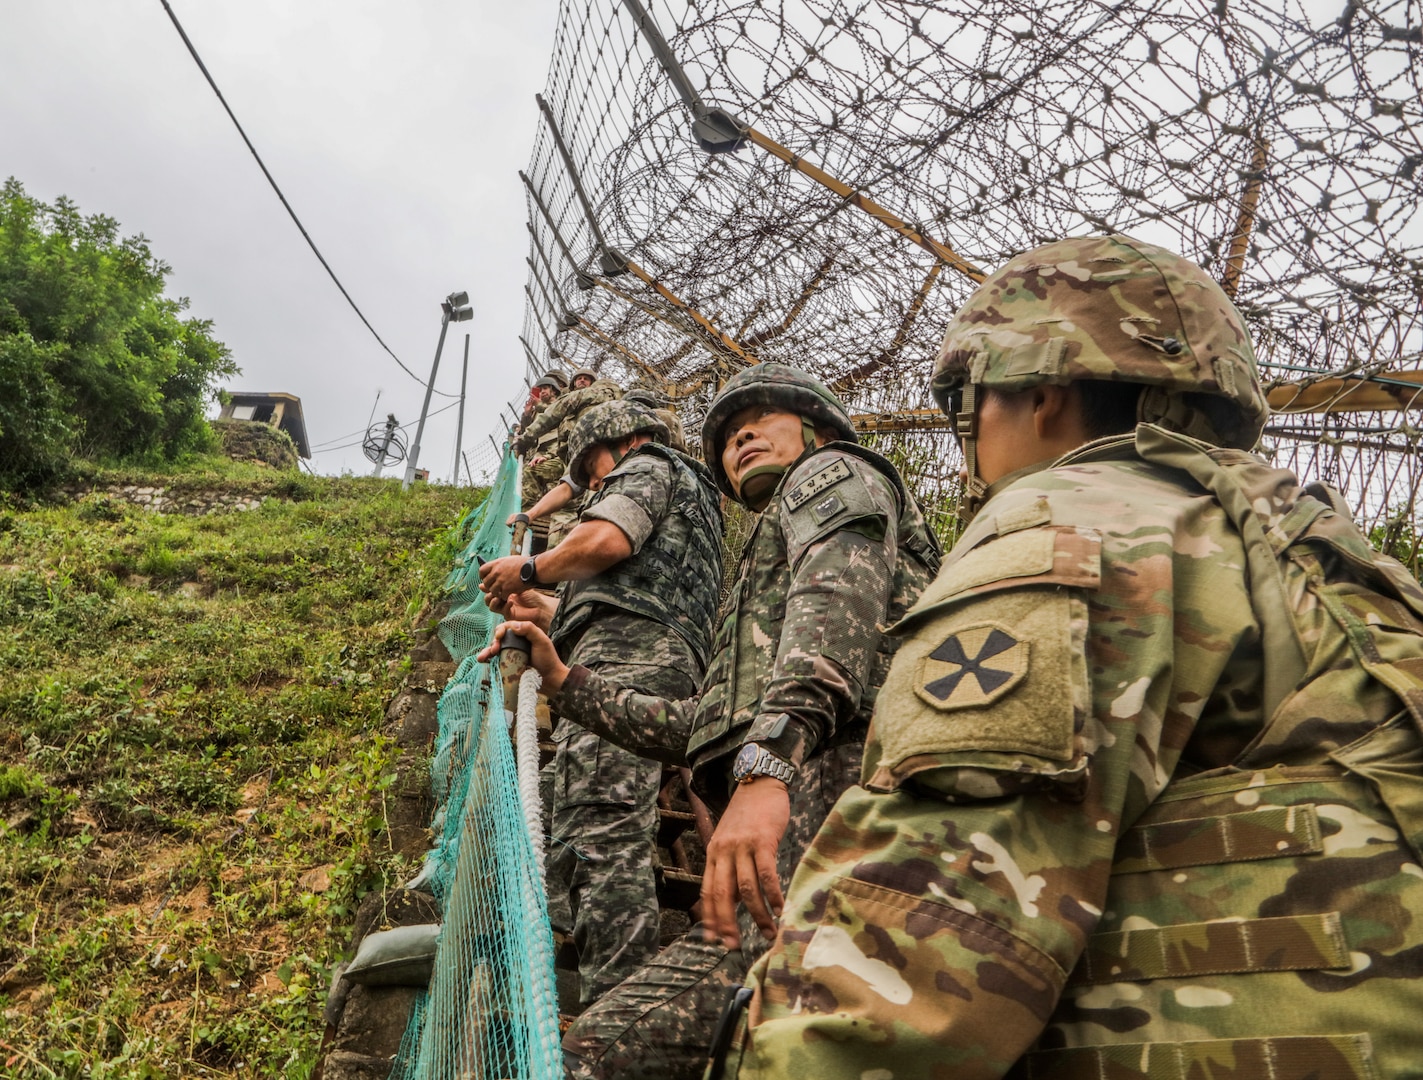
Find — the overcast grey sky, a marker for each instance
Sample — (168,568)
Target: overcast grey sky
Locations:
(396,130)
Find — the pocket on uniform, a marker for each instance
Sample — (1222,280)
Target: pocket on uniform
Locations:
(1391,759)
(879,960)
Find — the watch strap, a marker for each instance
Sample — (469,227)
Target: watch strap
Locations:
(768,764)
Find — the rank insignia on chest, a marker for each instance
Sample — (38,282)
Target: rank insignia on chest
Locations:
(972,667)
(826,478)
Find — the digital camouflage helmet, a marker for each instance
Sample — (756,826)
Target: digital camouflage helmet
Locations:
(648,398)
(603,425)
(1110,308)
(783,387)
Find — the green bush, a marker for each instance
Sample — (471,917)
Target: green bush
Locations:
(94,359)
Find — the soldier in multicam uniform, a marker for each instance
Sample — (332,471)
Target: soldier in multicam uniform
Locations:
(1144,795)
(640,577)
(839,547)
(550,511)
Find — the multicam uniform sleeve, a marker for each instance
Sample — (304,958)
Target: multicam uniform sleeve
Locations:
(839,515)
(551,416)
(651,727)
(1047,683)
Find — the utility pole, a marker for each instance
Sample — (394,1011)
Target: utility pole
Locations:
(454,308)
(459,431)
(390,426)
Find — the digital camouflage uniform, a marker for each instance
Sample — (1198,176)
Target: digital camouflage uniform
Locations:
(558,420)
(799,639)
(1144,794)
(646,621)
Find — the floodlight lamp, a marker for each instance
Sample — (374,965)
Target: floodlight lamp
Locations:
(458,299)
(463,314)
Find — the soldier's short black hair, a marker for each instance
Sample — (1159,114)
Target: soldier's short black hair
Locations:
(1108,408)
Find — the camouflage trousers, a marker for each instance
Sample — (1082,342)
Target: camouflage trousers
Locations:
(603,840)
(560,524)
(658,1024)
(538,480)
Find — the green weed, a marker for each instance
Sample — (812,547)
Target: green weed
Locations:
(191,730)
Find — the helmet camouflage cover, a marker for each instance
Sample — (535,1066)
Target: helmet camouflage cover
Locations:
(642,395)
(584,371)
(608,423)
(784,387)
(1113,308)
(559,376)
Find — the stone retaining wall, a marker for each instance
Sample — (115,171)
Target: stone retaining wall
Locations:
(164,500)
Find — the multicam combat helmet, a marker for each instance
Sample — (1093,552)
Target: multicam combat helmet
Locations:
(785,388)
(1112,308)
(604,424)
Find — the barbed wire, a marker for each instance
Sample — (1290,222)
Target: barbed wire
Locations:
(1274,142)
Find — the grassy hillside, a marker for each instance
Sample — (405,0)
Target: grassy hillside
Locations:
(191,765)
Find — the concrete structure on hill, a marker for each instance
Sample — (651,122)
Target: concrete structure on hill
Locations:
(281,411)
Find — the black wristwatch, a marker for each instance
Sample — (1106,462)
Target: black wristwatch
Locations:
(529,573)
(755,760)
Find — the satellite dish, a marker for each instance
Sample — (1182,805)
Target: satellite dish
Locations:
(384,444)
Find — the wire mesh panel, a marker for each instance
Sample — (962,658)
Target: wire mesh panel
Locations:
(490,1011)
(886,152)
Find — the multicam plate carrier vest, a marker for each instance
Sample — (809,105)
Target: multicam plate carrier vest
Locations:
(1266,919)
(755,610)
(675,577)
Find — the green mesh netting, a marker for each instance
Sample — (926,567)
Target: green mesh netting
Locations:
(465,630)
(490,1010)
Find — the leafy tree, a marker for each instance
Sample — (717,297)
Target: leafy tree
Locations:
(94,360)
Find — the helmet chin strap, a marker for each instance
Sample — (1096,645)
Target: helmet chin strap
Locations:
(975,492)
(760,483)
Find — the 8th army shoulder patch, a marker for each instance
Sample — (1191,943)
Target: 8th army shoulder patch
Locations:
(972,667)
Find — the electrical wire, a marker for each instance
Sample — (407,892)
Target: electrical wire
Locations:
(358,442)
(193,52)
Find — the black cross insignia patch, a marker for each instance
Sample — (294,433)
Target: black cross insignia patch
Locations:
(972,667)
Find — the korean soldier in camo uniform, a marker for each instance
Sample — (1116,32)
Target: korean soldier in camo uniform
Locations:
(778,730)
(542,466)
(1144,794)
(640,577)
(554,425)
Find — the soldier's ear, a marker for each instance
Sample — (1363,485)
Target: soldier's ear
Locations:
(1058,416)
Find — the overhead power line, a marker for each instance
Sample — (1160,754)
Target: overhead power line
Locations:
(322,448)
(193,52)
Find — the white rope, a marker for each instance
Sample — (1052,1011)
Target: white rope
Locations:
(526,749)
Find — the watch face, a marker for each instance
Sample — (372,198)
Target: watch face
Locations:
(745,761)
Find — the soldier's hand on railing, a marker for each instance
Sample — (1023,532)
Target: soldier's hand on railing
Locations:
(530,606)
(499,578)
(542,655)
